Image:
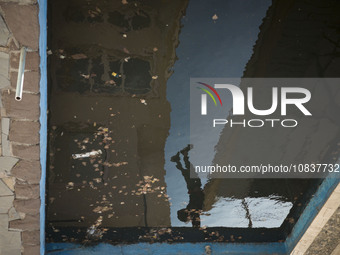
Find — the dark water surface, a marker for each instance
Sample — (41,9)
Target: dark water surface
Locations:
(119,115)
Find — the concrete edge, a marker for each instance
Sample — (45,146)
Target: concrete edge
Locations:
(314,206)
(336,250)
(318,223)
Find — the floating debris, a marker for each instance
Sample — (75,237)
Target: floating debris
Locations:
(97,180)
(111,82)
(95,13)
(86,76)
(120,164)
(143,101)
(70,185)
(79,56)
(208,250)
(87,154)
(114,74)
(124,2)
(155,77)
(94,233)
(215,17)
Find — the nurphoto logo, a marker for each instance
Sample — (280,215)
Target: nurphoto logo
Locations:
(295,96)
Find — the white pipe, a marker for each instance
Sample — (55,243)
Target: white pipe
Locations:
(21,74)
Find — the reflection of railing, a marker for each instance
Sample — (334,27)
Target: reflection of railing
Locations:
(21,73)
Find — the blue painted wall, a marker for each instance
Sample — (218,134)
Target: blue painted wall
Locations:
(43,115)
(160,249)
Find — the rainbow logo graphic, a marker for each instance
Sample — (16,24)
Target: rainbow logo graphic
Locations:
(209,93)
(204,97)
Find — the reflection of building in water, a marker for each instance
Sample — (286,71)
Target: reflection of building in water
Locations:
(297,39)
(108,70)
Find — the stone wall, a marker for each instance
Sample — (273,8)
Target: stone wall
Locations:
(19,143)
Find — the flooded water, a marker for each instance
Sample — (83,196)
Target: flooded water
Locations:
(119,142)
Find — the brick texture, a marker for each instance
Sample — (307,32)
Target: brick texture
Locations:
(24,132)
(27,108)
(22,20)
(28,171)
(26,152)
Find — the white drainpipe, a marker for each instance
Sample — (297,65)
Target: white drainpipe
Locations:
(21,74)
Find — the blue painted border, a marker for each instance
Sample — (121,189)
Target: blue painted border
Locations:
(166,249)
(43,115)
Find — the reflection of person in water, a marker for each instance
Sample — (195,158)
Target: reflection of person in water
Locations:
(196,196)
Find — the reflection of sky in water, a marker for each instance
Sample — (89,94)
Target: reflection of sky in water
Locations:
(237,214)
(202,138)
(208,49)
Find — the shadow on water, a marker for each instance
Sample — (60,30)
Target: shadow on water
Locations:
(119,116)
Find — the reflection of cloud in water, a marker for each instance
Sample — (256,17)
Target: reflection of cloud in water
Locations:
(227,212)
(230,212)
